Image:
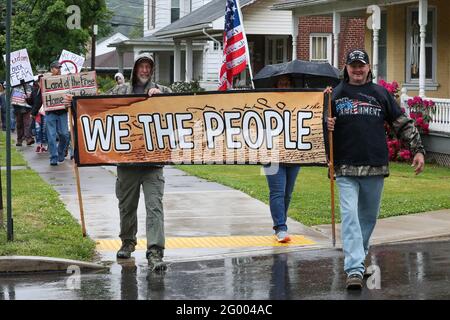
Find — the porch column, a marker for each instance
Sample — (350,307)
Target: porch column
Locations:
(376,33)
(189,60)
(295,22)
(156,71)
(120,60)
(374,23)
(336,32)
(177,61)
(423,20)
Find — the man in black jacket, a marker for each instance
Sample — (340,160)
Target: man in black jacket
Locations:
(360,109)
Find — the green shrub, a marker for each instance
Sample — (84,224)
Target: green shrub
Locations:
(105,83)
(182,86)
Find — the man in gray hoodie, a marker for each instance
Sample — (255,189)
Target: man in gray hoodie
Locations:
(131,177)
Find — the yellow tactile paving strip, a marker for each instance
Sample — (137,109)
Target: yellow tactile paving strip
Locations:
(213,242)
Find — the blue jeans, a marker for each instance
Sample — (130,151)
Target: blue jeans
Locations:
(13,119)
(281,185)
(57,126)
(41,131)
(360,199)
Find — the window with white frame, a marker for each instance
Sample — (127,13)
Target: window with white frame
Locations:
(218,46)
(276,50)
(320,47)
(413,46)
(151,7)
(185,7)
(175,10)
(242,80)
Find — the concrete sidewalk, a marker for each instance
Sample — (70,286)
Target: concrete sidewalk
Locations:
(403,228)
(193,208)
(198,208)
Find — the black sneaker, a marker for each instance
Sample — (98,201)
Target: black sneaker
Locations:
(155,261)
(126,249)
(355,281)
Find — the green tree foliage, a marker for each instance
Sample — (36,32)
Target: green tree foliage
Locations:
(105,83)
(40,26)
(137,31)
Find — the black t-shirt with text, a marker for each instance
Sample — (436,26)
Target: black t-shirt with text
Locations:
(359,134)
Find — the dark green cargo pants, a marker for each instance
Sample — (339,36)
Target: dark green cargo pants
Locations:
(128,185)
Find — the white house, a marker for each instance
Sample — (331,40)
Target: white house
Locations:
(185,37)
(106,56)
(102,46)
(157,15)
(268,35)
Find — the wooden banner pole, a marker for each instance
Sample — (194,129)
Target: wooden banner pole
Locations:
(330,143)
(77,177)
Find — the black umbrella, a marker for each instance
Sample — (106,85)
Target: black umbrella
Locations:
(306,74)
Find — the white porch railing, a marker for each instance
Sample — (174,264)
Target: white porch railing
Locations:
(440,119)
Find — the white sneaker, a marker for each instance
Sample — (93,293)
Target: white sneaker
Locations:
(282,236)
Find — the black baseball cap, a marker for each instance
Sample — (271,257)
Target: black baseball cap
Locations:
(357,55)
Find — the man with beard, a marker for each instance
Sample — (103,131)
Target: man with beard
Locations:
(131,177)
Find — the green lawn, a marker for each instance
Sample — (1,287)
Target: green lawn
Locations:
(404,192)
(42,225)
(16,158)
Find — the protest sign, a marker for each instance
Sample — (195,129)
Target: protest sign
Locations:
(70,62)
(53,88)
(18,97)
(21,70)
(247,127)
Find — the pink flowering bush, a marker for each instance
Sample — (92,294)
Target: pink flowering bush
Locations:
(397,151)
(420,111)
(392,88)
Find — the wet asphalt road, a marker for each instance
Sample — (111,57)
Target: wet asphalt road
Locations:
(407,271)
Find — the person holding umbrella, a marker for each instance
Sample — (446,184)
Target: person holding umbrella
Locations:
(281,183)
(360,109)
(303,74)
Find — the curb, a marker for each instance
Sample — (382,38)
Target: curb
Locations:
(13,264)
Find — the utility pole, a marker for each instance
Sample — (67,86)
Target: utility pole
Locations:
(10,229)
(1,201)
(94,36)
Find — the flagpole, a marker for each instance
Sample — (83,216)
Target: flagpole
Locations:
(247,52)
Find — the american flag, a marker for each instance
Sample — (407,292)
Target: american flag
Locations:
(234,46)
